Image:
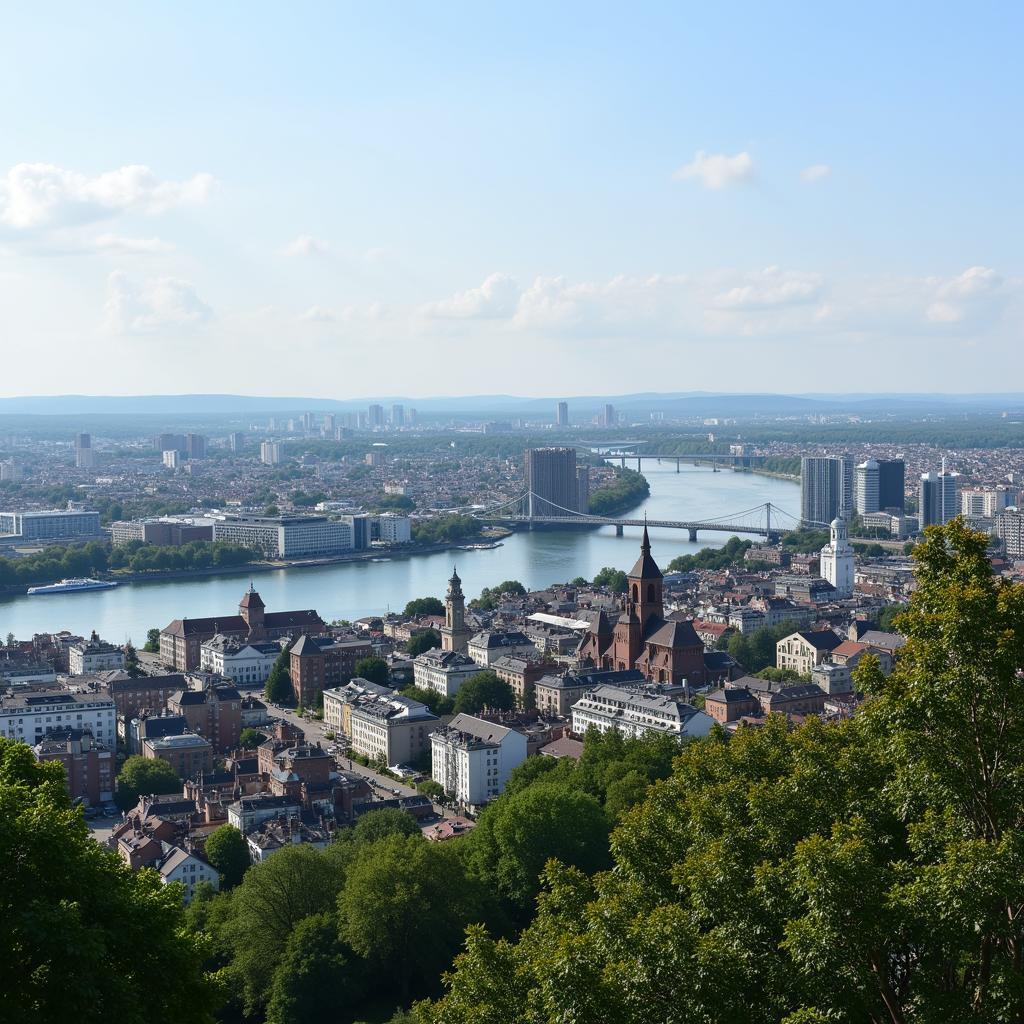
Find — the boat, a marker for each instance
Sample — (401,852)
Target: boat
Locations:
(70,586)
(482,547)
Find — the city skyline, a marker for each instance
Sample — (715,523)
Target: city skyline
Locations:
(688,187)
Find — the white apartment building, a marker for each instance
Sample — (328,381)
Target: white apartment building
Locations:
(177,865)
(270,453)
(29,718)
(93,655)
(286,536)
(867,487)
(395,529)
(338,702)
(637,712)
(244,663)
(472,759)
(443,671)
(487,647)
(55,524)
(391,729)
(1010,530)
(984,502)
(172,459)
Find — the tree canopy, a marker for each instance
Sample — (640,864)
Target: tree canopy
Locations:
(278,687)
(425,641)
(484,690)
(373,669)
(82,937)
(227,850)
(420,606)
(143,776)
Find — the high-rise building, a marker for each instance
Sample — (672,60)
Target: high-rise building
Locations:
(551,481)
(307,422)
(167,442)
(397,416)
(237,440)
(328,426)
(270,453)
(376,417)
(937,498)
(826,488)
(983,502)
(83,451)
(1010,530)
(10,471)
(608,416)
(172,459)
(195,446)
(562,414)
(891,485)
(583,488)
(867,488)
(837,560)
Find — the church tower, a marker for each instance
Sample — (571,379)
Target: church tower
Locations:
(645,585)
(251,608)
(454,633)
(837,560)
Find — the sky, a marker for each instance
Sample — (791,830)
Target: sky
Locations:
(340,200)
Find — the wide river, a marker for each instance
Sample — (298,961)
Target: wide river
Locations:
(349,590)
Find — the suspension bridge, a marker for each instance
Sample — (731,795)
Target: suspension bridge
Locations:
(531,509)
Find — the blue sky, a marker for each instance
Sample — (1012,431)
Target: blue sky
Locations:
(347,200)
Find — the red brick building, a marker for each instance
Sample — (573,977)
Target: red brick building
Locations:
(88,765)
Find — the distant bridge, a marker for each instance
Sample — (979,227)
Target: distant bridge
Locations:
(531,509)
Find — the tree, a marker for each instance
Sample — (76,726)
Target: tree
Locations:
(516,836)
(144,776)
(420,606)
(278,687)
(424,641)
(227,850)
(373,669)
(250,738)
(407,902)
(314,975)
(490,597)
(131,661)
(438,703)
(579,581)
(82,935)
(614,579)
(484,690)
(389,821)
(152,645)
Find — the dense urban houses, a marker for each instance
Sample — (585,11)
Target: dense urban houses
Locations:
(339,700)
(664,649)
(142,693)
(88,765)
(214,712)
(187,753)
(634,712)
(521,674)
(472,758)
(181,641)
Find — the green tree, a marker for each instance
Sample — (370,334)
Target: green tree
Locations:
(144,776)
(82,935)
(373,669)
(407,902)
(314,976)
(389,821)
(484,690)
(131,661)
(250,738)
(614,579)
(152,645)
(278,687)
(438,703)
(420,606)
(579,581)
(425,641)
(227,850)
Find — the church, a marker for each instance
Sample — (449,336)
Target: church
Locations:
(666,649)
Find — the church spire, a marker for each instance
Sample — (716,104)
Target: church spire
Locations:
(645,544)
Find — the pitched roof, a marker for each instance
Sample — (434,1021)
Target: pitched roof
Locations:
(250,599)
(645,568)
(674,633)
(821,639)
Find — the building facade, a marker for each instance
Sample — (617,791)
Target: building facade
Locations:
(31,717)
(472,758)
(837,560)
(442,671)
(551,481)
(636,713)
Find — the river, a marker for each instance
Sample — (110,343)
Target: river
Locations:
(349,590)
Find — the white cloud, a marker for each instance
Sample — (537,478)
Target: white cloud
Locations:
(966,296)
(771,288)
(318,315)
(152,305)
(45,196)
(118,244)
(496,298)
(306,245)
(717,170)
(816,172)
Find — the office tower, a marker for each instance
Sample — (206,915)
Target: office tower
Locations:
(83,451)
(551,481)
(397,416)
(195,446)
(328,424)
(562,415)
(867,487)
(376,416)
(169,442)
(984,502)
(937,500)
(172,459)
(837,560)
(583,488)
(10,471)
(846,482)
(608,416)
(821,489)
(307,422)
(410,417)
(891,485)
(237,440)
(270,453)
